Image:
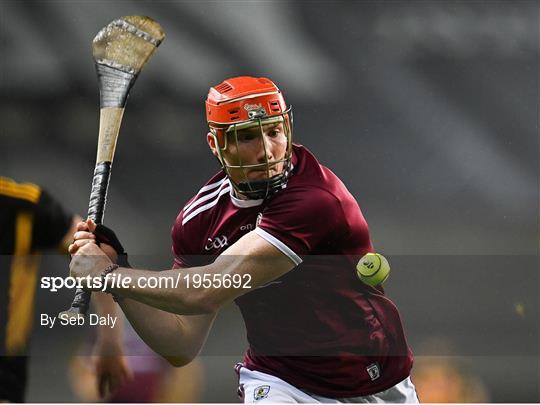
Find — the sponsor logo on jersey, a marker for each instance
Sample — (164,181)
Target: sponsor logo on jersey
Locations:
(261,392)
(248,227)
(259,219)
(217,243)
(373,371)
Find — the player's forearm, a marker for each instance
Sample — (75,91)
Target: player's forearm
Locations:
(105,306)
(252,260)
(163,332)
(174,293)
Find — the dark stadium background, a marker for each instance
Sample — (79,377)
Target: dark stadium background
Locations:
(428,111)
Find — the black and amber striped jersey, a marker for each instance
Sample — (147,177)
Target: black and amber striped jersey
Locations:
(30,220)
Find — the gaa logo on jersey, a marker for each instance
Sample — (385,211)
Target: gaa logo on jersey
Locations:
(373,371)
(217,243)
(261,392)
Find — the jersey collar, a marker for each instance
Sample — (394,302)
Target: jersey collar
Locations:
(237,202)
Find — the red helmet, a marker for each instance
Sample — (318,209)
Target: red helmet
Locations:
(246,102)
(234,99)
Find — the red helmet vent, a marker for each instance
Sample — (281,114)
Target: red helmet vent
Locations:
(274,106)
(223,87)
(234,114)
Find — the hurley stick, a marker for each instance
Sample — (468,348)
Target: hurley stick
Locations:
(121,49)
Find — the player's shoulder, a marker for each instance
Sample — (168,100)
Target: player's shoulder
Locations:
(208,196)
(315,179)
(217,183)
(19,195)
(310,192)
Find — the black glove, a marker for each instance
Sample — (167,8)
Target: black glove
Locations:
(107,235)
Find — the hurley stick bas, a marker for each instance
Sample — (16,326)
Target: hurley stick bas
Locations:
(121,49)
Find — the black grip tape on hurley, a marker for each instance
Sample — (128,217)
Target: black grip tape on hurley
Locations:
(98,195)
(96,210)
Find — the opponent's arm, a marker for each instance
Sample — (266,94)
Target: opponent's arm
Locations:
(112,369)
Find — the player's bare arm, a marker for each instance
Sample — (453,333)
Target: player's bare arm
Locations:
(175,337)
(250,255)
(111,367)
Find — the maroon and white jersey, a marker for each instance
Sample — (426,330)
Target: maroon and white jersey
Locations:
(317,327)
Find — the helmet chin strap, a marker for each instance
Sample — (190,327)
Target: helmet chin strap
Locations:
(261,189)
(258,189)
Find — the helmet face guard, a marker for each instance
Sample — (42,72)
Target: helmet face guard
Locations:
(230,138)
(240,111)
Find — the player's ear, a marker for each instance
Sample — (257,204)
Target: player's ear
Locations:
(211,143)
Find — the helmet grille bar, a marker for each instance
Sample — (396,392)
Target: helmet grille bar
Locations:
(260,188)
(242,104)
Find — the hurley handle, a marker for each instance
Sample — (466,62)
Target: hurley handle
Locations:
(96,211)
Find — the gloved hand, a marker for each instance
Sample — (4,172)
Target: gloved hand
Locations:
(106,235)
